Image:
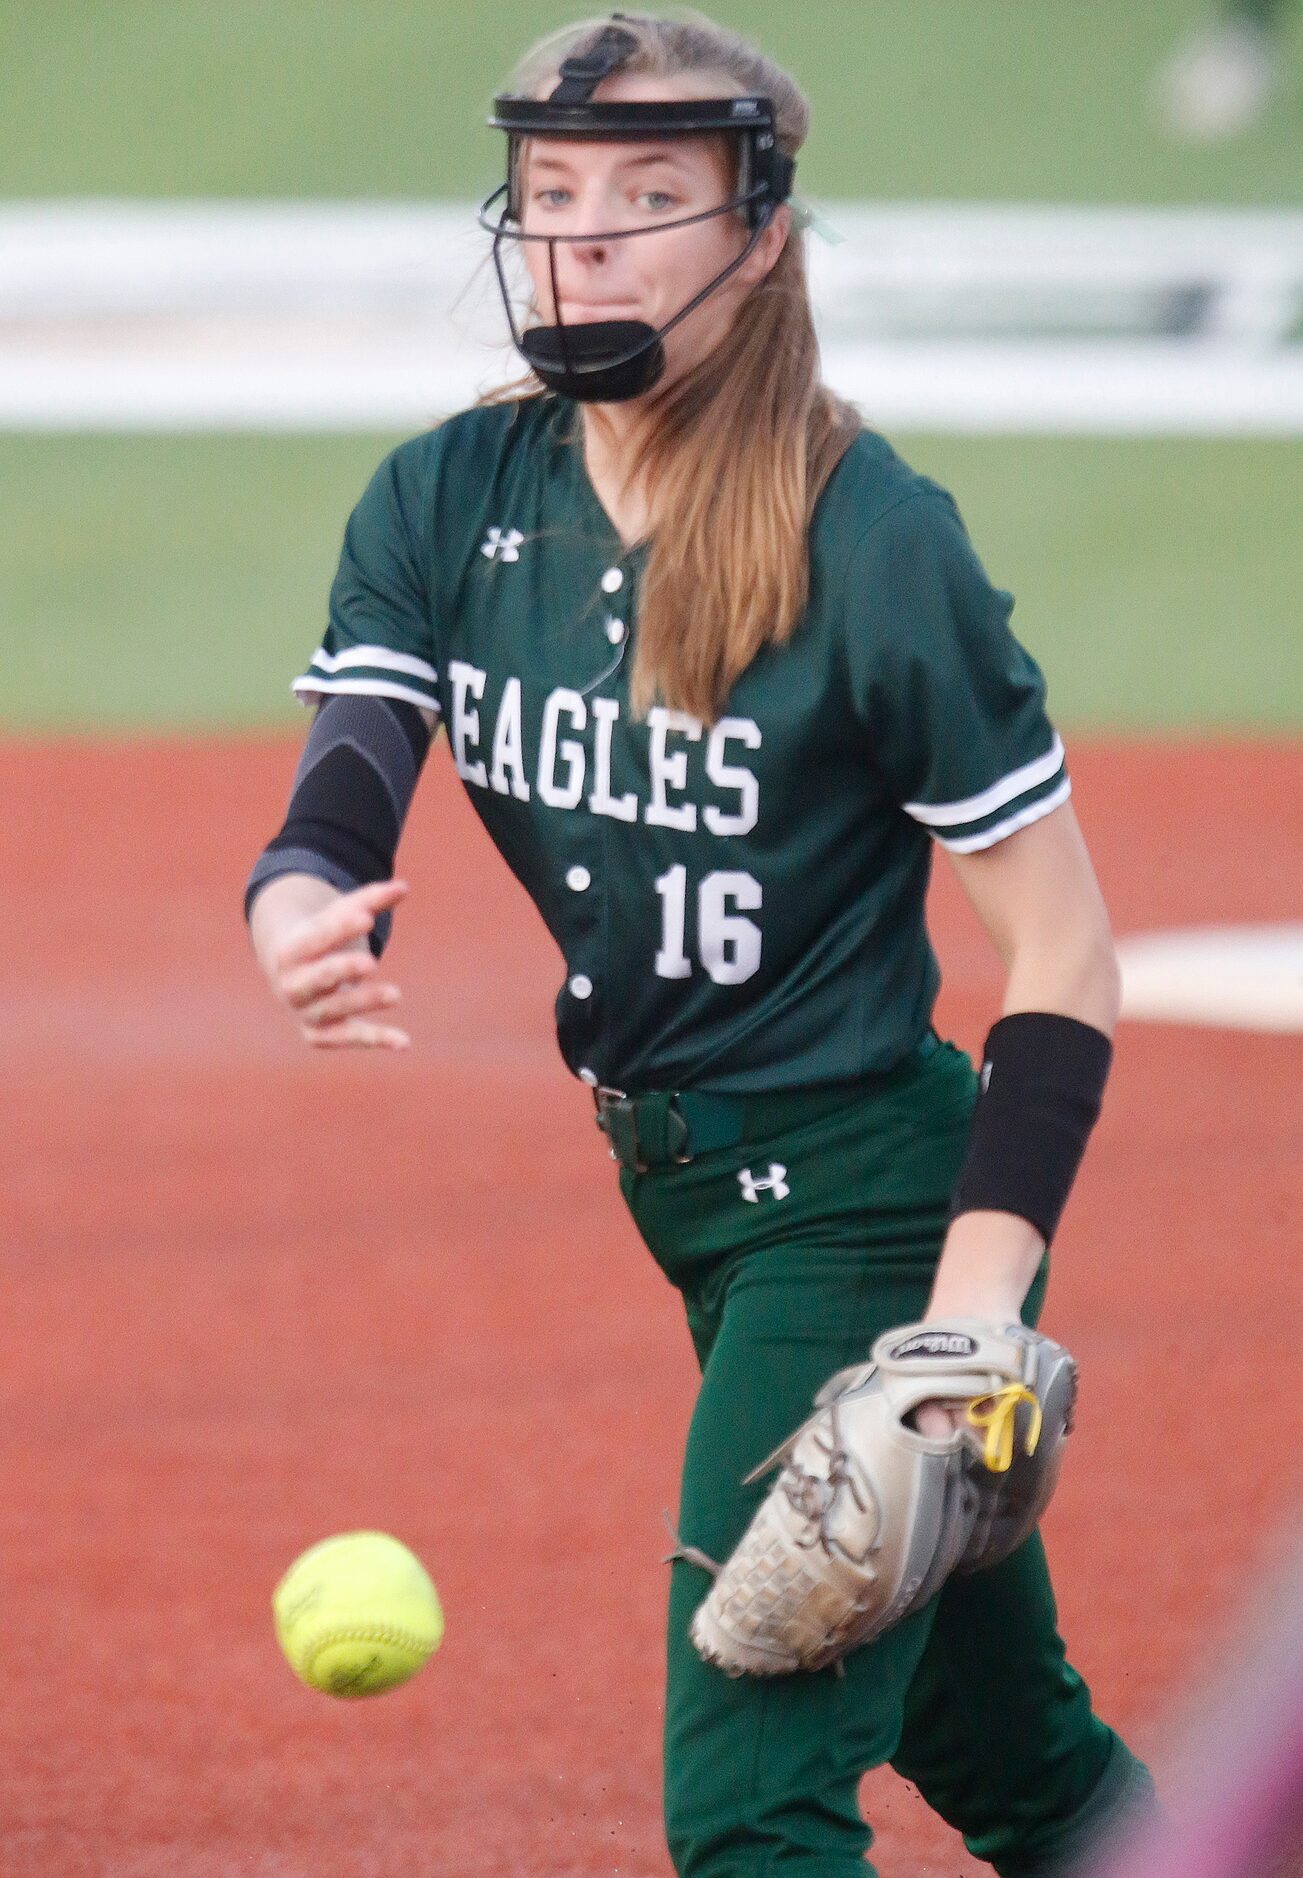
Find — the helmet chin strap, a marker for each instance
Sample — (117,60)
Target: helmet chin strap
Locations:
(606,361)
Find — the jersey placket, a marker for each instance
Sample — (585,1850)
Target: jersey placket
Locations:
(586,993)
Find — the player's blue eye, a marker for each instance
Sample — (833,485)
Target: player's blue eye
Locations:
(657,200)
(552,198)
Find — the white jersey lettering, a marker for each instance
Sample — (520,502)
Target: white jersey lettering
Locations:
(561,795)
(669,770)
(508,750)
(606,713)
(464,730)
(563,762)
(732,776)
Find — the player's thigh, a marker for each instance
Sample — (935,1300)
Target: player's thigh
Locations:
(793,1314)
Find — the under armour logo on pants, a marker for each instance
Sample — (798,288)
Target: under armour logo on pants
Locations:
(774,1182)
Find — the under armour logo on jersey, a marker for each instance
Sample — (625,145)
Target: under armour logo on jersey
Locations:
(498,546)
(774,1182)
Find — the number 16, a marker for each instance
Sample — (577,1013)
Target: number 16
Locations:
(728,942)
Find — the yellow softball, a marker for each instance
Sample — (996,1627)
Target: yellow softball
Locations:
(357,1614)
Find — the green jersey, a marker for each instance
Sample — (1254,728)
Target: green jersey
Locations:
(740,906)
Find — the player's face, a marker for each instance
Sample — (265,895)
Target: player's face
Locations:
(573,188)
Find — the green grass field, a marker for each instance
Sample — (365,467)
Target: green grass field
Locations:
(912,98)
(178,582)
(173,583)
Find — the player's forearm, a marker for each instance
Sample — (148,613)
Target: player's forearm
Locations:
(1060,961)
(1068,968)
(987,1265)
(991,1256)
(350,797)
(1024,1151)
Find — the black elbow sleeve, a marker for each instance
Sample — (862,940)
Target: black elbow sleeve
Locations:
(349,799)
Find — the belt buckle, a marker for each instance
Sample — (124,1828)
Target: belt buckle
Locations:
(617,1117)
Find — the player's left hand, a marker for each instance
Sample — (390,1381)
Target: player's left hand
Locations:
(866,1520)
(939,1420)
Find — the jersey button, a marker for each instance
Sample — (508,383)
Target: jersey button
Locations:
(612,580)
(615,631)
(581,986)
(578,878)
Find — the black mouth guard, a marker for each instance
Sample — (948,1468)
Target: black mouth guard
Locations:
(604,362)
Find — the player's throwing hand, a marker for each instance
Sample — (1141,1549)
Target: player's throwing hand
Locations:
(311,943)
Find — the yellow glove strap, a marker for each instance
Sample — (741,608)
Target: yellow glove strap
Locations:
(993,1417)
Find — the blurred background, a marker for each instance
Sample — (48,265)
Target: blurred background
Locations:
(194,383)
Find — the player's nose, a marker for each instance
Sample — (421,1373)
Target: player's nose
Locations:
(588,276)
(588,255)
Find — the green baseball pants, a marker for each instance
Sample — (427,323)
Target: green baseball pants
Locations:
(793,1250)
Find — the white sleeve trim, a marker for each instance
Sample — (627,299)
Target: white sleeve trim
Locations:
(380,658)
(973,808)
(310,685)
(1021,818)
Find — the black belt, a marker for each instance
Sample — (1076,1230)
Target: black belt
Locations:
(670,1128)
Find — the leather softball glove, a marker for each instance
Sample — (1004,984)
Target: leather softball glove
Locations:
(868,1517)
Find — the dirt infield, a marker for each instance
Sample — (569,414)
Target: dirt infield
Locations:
(253,1296)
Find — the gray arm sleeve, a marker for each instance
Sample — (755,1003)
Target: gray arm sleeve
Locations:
(349,798)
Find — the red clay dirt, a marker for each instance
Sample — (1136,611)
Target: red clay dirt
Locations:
(253,1296)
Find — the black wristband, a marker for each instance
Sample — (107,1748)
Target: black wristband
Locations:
(1042,1085)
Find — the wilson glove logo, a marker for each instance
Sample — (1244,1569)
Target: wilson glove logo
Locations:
(775,1183)
(934,1343)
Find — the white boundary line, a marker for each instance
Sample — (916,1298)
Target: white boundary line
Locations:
(1230,977)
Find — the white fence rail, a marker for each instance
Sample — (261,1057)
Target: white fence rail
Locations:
(334,316)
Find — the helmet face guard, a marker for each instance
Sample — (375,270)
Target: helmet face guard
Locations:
(608,361)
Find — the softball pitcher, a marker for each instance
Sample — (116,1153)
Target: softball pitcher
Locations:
(717,669)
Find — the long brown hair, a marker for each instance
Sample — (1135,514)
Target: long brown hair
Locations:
(734,455)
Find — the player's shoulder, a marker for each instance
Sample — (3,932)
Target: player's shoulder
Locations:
(434,487)
(475,440)
(892,562)
(874,494)
(489,432)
